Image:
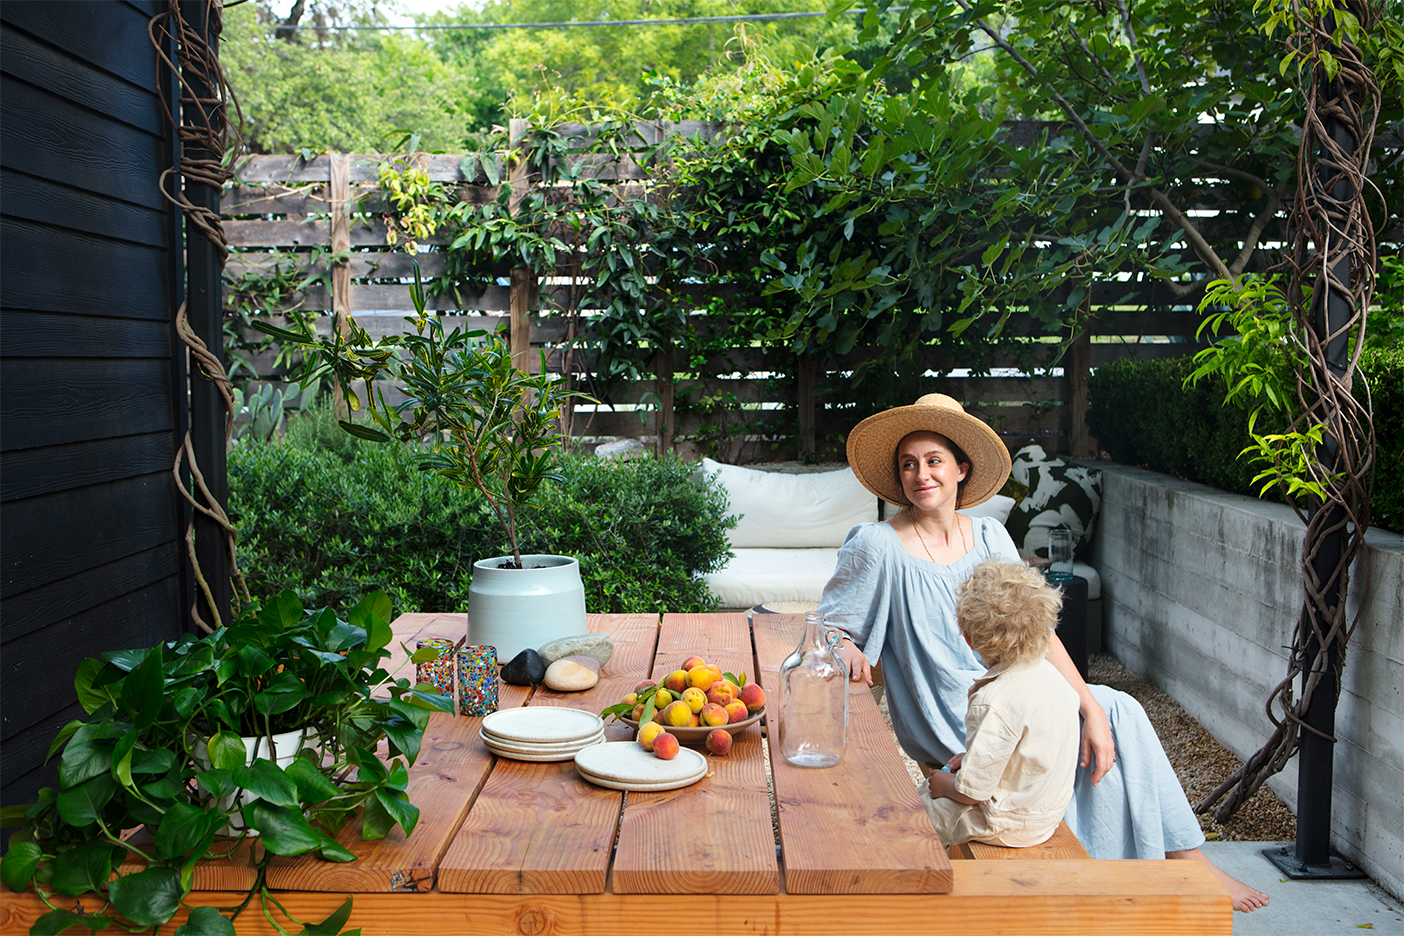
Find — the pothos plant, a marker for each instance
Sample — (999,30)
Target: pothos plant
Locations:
(162,747)
(488,424)
(1257,355)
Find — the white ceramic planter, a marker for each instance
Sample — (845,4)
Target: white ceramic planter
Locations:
(285,748)
(517,609)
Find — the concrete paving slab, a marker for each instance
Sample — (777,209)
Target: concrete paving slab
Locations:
(1305,908)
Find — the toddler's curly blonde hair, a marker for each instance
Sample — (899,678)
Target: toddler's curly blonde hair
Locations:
(1007,611)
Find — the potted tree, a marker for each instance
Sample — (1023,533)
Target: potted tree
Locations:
(486,425)
(181,738)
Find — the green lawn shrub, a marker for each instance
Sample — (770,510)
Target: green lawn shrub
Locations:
(1142,415)
(333,521)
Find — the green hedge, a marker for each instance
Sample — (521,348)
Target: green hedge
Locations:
(333,525)
(1384,369)
(1142,415)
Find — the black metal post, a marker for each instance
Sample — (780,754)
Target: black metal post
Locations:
(204,298)
(1315,752)
(1311,858)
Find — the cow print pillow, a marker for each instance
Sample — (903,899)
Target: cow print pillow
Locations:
(1060,494)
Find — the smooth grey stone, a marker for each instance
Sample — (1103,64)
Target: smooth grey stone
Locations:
(590,663)
(621,450)
(570,676)
(598,646)
(525,669)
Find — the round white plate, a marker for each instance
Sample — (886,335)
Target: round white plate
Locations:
(639,787)
(626,762)
(527,748)
(541,724)
(540,757)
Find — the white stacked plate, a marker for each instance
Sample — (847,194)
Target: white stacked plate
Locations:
(623,765)
(541,733)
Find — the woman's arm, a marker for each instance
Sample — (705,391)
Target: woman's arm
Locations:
(1096,732)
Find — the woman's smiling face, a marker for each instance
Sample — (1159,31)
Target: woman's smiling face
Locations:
(928,470)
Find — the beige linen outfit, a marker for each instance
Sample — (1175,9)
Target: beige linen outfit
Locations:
(1021,738)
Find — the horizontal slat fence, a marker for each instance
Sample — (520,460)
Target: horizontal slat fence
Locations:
(283,209)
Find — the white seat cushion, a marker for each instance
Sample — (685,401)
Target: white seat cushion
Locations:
(759,576)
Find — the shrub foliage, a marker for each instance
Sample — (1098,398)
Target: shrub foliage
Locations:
(334,525)
(1142,414)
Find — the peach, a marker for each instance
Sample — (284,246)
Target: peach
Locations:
(696,721)
(695,699)
(713,715)
(676,681)
(721,693)
(646,684)
(676,715)
(647,733)
(638,713)
(631,699)
(693,662)
(719,741)
(736,711)
(700,677)
(754,697)
(716,672)
(662,698)
(665,746)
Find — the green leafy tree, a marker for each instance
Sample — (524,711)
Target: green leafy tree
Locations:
(610,66)
(354,92)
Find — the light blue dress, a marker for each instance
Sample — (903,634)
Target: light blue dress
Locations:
(901,609)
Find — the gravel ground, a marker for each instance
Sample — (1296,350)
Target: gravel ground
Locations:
(1200,762)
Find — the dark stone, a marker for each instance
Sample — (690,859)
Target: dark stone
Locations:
(526,669)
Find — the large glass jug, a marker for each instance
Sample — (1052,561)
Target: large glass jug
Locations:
(813,700)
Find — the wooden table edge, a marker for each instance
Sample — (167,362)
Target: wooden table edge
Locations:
(1054,897)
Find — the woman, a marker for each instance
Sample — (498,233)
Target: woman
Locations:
(893,598)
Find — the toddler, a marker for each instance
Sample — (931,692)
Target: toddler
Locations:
(1012,784)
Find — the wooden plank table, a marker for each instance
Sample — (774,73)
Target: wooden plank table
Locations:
(757,846)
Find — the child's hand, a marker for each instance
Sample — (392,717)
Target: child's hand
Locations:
(954,763)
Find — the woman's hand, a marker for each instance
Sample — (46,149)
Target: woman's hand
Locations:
(1096,741)
(857,664)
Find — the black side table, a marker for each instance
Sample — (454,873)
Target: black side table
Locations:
(1072,620)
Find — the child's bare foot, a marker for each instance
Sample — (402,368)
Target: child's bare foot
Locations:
(1245,899)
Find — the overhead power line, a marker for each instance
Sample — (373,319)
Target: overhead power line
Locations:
(745,17)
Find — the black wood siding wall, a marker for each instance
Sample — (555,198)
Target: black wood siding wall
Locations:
(90,518)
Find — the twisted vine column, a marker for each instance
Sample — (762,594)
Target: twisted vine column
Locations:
(1332,266)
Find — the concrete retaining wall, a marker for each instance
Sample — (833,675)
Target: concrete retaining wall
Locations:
(1201,591)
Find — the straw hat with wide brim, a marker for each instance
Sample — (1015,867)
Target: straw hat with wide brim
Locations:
(872,448)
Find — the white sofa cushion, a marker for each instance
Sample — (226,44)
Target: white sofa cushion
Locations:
(780,510)
(998,506)
(763,576)
(766,576)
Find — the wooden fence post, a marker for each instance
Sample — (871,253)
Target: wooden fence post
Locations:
(519,314)
(1075,366)
(804,394)
(339,195)
(663,386)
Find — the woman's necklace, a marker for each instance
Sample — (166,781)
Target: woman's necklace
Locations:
(917,528)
